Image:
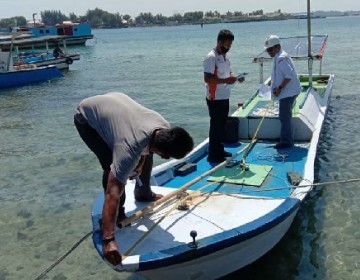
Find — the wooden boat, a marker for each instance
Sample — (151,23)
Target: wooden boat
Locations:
(12,76)
(76,33)
(41,54)
(231,213)
(7,36)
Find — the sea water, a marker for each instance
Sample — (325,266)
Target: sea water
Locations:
(49,179)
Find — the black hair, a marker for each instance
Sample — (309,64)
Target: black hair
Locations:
(224,35)
(175,142)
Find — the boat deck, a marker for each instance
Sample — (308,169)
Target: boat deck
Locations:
(276,161)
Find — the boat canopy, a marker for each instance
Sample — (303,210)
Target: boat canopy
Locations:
(297,48)
(33,41)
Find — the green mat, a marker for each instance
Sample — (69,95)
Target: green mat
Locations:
(255,176)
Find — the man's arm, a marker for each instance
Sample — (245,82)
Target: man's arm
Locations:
(114,190)
(212,79)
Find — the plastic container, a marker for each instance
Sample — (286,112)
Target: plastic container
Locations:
(232,130)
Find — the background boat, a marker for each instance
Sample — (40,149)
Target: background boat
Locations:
(12,76)
(28,75)
(47,50)
(75,33)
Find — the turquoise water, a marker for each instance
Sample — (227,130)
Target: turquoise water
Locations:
(49,180)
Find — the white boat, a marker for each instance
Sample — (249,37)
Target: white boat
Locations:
(235,212)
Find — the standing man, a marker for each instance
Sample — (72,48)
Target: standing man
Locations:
(218,76)
(285,87)
(124,135)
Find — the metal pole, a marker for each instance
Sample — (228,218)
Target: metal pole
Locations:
(310,58)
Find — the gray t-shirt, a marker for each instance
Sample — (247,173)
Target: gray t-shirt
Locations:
(125,126)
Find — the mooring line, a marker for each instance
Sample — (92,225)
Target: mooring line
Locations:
(172,208)
(304,186)
(46,271)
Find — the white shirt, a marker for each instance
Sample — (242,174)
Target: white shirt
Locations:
(218,65)
(283,68)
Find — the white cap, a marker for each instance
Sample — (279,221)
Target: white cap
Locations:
(271,41)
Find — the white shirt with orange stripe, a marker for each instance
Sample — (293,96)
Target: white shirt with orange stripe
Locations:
(217,64)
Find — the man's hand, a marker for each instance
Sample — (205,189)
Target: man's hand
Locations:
(114,190)
(111,253)
(231,80)
(276,91)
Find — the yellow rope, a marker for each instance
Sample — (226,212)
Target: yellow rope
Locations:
(188,195)
(243,162)
(171,209)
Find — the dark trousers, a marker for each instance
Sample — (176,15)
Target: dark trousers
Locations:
(285,116)
(104,154)
(218,112)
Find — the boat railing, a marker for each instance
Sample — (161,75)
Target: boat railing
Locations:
(297,48)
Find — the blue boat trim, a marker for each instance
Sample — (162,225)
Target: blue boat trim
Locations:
(25,77)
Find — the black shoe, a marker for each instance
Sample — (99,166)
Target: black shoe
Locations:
(216,159)
(227,154)
(281,145)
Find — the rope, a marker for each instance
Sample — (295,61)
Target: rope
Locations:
(137,242)
(255,134)
(305,186)
(188,195)
(64,256)
(179,202)
(182,201)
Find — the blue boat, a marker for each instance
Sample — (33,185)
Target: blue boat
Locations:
(13,76)
(74,33)
(57,55)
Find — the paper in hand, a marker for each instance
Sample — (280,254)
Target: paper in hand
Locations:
(264,91)
(242,75)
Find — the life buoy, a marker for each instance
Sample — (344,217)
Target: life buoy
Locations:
(69,60)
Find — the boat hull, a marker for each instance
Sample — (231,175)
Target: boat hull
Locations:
(227,260)
(28,76)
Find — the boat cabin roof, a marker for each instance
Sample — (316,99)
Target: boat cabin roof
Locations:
(33,41)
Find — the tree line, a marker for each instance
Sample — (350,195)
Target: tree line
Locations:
(99,18)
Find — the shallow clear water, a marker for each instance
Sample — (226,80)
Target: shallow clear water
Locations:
(49,180)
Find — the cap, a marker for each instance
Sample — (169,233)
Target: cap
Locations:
(271,41)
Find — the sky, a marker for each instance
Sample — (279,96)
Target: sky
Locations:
(11,8)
